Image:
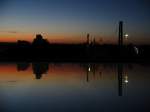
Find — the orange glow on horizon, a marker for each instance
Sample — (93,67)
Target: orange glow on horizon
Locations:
(50,38)
(66,73)
(54,38)
(8,72)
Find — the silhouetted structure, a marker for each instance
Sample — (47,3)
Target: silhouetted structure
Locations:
(120,41)
(39,69)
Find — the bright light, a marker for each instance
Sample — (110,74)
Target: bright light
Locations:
(126,36)
(89,69)
(126,79)
(136,50)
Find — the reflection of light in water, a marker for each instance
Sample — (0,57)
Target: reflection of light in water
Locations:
(136,50)
(89,69)
(126,79)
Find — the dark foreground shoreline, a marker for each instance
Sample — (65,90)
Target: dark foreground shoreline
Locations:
(74,53)
(41,50)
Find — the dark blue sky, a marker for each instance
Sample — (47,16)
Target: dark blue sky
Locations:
(71,19)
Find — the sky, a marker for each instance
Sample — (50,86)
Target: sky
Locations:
(68,21)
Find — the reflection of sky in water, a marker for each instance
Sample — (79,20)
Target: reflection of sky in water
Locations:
(73,87)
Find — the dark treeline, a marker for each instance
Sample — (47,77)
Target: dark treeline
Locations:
(41,50)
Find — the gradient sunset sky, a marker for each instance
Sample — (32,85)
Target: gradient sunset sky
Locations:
(70,20)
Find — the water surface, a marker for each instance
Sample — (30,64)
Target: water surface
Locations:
(66,87)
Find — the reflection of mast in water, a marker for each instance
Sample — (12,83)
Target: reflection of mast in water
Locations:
(122,79)
(91,68)
(120,74)
(88,70)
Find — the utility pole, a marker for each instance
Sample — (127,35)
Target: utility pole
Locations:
(120,41)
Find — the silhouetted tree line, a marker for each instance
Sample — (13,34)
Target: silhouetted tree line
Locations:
(41,50)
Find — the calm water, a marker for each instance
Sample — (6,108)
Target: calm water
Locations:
(46,87)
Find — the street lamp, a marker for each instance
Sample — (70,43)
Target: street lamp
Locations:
(126,36)
(126,79)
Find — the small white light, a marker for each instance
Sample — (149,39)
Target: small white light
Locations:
(136,50)
(89,69)
(126,79)
(126,36)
